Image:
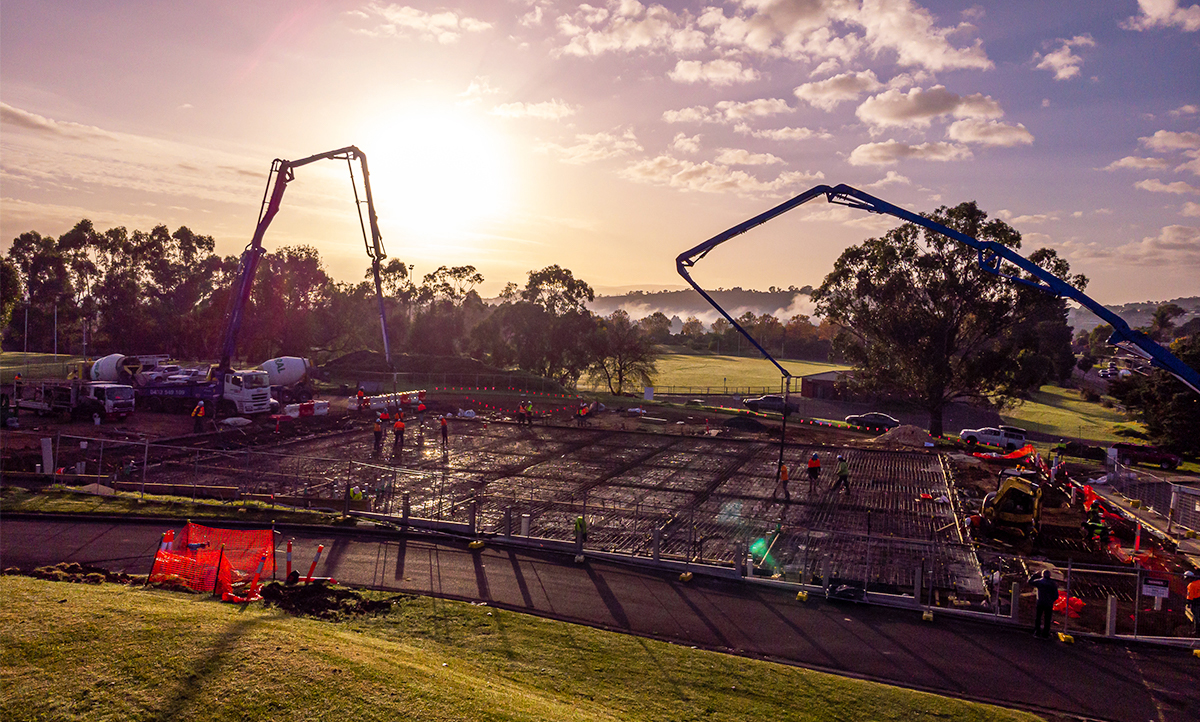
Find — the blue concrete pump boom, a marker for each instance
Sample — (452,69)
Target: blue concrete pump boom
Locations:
(991,256)
(282,171)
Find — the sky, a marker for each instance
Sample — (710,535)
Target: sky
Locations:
(609,137)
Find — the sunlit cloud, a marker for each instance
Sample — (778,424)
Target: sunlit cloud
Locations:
(894,151)
(1157,186)
(1185,110)
(1164,14)
(738,156)
(479,89)
(625,27)
(593,147)
(1165,141)
(549,110)
(917,108)
(1137,163)
(403,21)
(1190,209)
(24,120)
(892,178)
(782,134)
(827,94)
(989,132)
(728,111)
(709,177)
(716,73)
(685,143)
(1062,62)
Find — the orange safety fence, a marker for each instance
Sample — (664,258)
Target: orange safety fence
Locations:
(207,559)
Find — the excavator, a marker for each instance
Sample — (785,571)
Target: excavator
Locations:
(282,173)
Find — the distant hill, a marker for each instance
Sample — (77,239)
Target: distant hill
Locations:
(679,305)
(1135,314)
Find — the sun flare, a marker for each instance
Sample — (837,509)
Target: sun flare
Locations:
(437,175)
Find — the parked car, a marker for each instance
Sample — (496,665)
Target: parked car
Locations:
(1108,373)
(874,419)
(770,402)
(1128,453)
(1009,437)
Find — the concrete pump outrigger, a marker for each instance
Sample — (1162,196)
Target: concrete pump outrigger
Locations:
(282,171)
(991,256)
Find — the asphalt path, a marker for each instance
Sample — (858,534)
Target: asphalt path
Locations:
(1105,680)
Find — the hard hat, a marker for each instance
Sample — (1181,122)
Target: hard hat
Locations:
(814,455)
(201,403)
(1189,575)
(841,458)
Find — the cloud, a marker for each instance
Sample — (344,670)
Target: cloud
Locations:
(1192,165)
(893,151)
(892,178)
(1164,14)
(1190,209)
(1157,186)
(709,177)
(25,120)
(1165,141)
(784,134)
(626,27)
(989,132)
(549,110)
(917,108)
(1185,110)
(1036,218)
(827,94)
(593,147)
(403,21)
(1174,246)
(842,30)
(717,72)
(1062,62)
(728,111)
(479,89)
(1136,163)
(737,156)
(685,143)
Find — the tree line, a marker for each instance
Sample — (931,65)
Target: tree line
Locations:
(92,293)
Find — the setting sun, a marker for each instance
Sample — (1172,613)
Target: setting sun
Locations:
(437,173)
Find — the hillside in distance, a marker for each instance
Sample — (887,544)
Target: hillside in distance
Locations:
(781,303)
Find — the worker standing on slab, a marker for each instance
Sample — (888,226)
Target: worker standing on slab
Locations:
(843,475)
(398,427)
(445,432)
(781,481)
(814,472)
(1193,600)
(378,434)
(1047,595)
(421,416)
(198,418)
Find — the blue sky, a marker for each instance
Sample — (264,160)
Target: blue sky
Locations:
(609,137)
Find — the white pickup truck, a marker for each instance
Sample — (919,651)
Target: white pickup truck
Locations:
(1009,437)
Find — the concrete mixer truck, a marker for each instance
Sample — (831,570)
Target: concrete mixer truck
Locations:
(291,378)
(245,392)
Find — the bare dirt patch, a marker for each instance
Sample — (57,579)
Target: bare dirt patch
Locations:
(322,601)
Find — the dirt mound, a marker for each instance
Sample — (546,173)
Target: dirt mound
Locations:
(77,573)
(744,423)
(906,435)
(322,601)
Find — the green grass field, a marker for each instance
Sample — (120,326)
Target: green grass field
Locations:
(720,372)
(1061,412)
(112,652)
(34,365)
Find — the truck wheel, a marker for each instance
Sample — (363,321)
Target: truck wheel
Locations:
(1166,466)
(972,440)
(304,396)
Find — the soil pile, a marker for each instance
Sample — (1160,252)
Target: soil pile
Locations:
(322,601)
(77,573)
(906,435)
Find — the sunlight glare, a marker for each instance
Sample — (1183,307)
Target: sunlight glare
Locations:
(437,174)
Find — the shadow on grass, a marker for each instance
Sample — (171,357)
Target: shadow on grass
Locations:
(204,669)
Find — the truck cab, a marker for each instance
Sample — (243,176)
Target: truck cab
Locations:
(247,392)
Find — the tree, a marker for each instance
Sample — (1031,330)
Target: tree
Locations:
(656,326)
(452,284)
(1170,410)
(11,291)
(692,328)
(557,290)
(623,354)
(1162,323)
(919,318)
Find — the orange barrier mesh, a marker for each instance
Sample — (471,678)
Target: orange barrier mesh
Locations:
(195,554)
(203,571)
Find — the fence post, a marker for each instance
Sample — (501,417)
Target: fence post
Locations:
(145,463)
(405,508)
(508,521)
(656,543)
(1067,611)
(100,463)
(1110,623)
(918,581)
(1015,602)
(525,525)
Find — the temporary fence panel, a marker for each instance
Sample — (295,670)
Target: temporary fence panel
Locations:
(203,570)
(243,548)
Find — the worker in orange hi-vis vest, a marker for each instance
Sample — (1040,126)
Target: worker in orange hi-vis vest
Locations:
(782,483)
(198,418)
(420,415)
(398,427)
(378,434)
(814,472)
(445,433)
(1193,600)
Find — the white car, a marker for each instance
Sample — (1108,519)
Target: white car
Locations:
(1009,437)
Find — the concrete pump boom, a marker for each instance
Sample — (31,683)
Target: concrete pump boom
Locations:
(991,256)
(283,173)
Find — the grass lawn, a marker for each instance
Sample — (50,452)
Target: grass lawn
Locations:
(112,652)
(1061,412)
(124,503)
(719,372)
(34,365)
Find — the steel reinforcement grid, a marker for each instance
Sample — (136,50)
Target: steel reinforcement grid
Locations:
(696,498)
